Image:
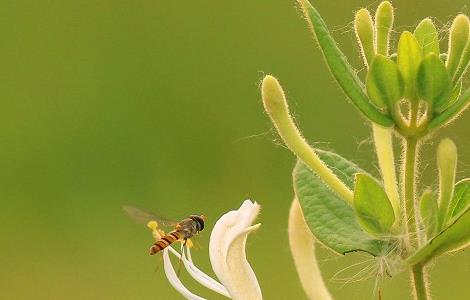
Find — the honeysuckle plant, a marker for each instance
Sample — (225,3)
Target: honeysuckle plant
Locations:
(227,255)
(411,90)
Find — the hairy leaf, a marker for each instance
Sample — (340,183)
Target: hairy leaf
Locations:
(427,37)
(330,218)
(452,111)
(461,199)
(409,59)
(384,82)
(455,237)
(341,69)
(433,81)
(373,208)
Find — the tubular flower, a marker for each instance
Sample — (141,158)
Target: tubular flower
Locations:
(227,255)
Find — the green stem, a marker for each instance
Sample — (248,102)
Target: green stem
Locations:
(275,104)
(411,145)
(418,273)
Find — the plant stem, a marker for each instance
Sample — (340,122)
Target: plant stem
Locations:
(418,273)
(411,145)
(275,104)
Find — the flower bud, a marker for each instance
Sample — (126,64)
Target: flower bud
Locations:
(364,28)
(458,40)
(273,96)
(447,163)
(383,26)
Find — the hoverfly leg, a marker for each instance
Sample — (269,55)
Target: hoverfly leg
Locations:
(159,263)
(178,271)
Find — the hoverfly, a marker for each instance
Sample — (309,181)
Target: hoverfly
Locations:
(181,231)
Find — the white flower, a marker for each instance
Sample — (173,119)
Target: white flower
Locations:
(227,255)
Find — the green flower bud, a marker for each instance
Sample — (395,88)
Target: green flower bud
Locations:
(458,40)
(383,26)
(447,164)
(364,28)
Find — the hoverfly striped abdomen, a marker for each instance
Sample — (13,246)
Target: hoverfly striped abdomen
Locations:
(165,241)
(184,230)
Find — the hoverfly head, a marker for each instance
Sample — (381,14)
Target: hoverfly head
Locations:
(199,219)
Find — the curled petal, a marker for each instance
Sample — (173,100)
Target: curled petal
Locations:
(303,251)
(202,277)
(195,272)
(174,280)
(227,252)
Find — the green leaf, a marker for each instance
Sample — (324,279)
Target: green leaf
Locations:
(409,59)
(451,112)
(433,81)
(341,69)
(458,40)
(453,97)
(429,212)
(464,62)
(364,28)
(330,218)
(455,237)
(373,208)
(383,26)
(461,199)
(427,37)
(384,82)
(456,92)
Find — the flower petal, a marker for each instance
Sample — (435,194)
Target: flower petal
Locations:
(197,274)
(174,280)
(303,251)
(227,252)
(202,277)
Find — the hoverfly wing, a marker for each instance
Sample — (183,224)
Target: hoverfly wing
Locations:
(143,216)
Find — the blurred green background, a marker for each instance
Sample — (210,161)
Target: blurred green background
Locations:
(156,103)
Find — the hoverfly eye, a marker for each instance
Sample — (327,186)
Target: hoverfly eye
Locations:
(201,224)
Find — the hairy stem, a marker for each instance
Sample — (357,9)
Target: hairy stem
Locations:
(418,274)
(411,144)
(419,277)
(275,104)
